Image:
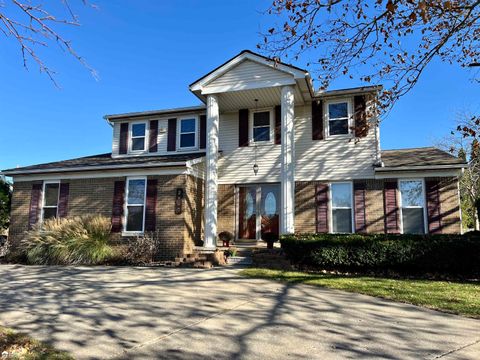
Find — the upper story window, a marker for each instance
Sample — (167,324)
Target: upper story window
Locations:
(338,117)
(342,209)
(51,192)
(187,133)
(138,136)
(135,205)
(261,125)
(412,206)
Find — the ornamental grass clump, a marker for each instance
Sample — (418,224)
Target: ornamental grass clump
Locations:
(69,241)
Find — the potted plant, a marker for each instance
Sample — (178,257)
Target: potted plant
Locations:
(226,237)
(269,238)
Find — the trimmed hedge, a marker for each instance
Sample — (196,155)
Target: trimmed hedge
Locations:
(447,254)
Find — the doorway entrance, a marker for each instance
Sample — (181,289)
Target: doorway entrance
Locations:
(259,210)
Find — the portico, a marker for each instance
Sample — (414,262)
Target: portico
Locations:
(249,81)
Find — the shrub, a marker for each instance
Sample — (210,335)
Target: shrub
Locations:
(69,241)
(449,254)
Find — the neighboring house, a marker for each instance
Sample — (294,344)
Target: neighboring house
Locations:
(266,153)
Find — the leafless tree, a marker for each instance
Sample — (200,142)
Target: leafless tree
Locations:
(32,25)
(388,41)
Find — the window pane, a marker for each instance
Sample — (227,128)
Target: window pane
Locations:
(270,204)
(135,218)
(261,134)
(136,191)
(413,221)
(187,125)
(187,140)
(412,193)
(51,194)
(138,129)
(261,119)
(342,195)
(49,213)
(339,110)
(338,127)
(342,220)
(138,144)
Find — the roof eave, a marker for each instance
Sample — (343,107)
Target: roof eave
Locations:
(420,167)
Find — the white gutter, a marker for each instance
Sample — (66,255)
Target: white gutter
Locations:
(92,168)
(426,167)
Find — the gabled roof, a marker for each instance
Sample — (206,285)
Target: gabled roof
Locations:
(160,112)
(419,158)
(105,161)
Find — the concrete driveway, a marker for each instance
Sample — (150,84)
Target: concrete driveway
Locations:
(142,313)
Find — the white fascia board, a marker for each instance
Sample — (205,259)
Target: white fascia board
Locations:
(92,168)
(416,168)
(100,174)
(154,113)
(418,174)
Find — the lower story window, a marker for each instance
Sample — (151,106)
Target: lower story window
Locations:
(135,205)
(413,208)
(341,195)
(50,200)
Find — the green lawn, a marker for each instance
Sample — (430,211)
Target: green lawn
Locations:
(20,346)
(461,298)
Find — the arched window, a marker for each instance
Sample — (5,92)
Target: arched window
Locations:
(270,204)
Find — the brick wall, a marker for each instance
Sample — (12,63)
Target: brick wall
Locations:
(449,205)
(20,211)
(194,210)
(374,210)
(305,211)
(226,208)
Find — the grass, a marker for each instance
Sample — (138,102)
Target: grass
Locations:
(462,298)
(19,346)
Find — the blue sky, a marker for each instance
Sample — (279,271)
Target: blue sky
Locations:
(146,54)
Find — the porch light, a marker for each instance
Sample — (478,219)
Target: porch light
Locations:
(255,169)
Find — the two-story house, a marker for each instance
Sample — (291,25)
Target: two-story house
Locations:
(264,153)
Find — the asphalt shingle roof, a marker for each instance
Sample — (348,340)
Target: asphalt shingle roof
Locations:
(427,156)
(100,160)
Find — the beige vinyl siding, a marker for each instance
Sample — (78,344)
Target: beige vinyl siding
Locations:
(249,72)
(331,159)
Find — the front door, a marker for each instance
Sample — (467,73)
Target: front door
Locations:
(259,207)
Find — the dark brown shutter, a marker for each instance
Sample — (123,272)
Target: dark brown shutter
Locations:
(278,124)
(117,209)
(34,213)
(150,213)
(123,141)
(360,116)
(359,198)
(172,135)
(243,127)
(153,136)
(317,120)
(63,200)
(433,206)
(321,199)
(391,208)
(203,131)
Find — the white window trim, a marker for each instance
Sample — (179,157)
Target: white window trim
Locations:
(327,117)
(179,132)
(272,126)
(330,206)
(130,137)
(400,205)
(125,206)
(43,198)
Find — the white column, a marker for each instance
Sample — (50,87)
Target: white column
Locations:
(211,185)
(287,197)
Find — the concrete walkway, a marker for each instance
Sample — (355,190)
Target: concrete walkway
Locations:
(140,313)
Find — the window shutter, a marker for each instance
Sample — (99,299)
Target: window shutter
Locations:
(172,135)
(34,213)
(203,131)
(391,207)
(123,143)
(321,199)
(317,120)
(150,213)
(359,198)
(243,127)
(153,136)
(360,116)
(433,206)
(117,209)
(63,200)
(278,124)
